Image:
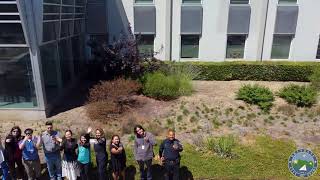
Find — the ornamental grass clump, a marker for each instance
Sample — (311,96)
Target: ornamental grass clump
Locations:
(258,95)
(166,87)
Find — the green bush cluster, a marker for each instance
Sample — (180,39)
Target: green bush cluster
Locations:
(301,96)
(222,146)
(258,95)
(315,78)
(257,71)
(166,87)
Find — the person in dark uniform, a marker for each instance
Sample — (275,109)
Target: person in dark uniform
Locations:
(13,154)
(100,149)
(169,153)
(118,158)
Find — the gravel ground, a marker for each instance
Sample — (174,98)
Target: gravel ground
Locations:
(217,95)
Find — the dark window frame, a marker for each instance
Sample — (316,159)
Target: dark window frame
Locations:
(288,36)
(198,45)
(286,2)
(191,1)
(143,1)
(245,37)
(148,37)
(239,2)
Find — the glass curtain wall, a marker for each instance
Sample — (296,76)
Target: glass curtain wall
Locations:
(63,43)
(16,77)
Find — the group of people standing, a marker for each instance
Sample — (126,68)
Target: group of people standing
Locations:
(20,154)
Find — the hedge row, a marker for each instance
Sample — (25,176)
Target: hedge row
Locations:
(257,71)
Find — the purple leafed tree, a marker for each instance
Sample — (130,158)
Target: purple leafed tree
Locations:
(122,58)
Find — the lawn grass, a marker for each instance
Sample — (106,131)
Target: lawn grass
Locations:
(265,159)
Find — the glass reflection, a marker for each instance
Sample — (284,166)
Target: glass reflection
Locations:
(11,33)
(16,79)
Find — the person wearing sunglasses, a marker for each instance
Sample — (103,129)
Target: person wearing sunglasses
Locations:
(31,161)
(13,153)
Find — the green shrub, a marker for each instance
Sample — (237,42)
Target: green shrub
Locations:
(299,95)
(161,86)
(315,78)
(257,71)
(258,95)
(222,146)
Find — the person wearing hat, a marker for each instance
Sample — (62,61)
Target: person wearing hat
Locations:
(30,157)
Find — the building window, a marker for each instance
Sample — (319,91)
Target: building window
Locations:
(287,1)
(65,53)
(52,1)
(281,46)
(191,1)
(235,46)
(8,8)
(11,33)
(145,44)
(49,60)
(190,46)
(16,79)
(239,1)
(66,28)
(144,1)
(318,51)
(50,30)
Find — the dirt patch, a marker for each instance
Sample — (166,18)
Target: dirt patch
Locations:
(211,111)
